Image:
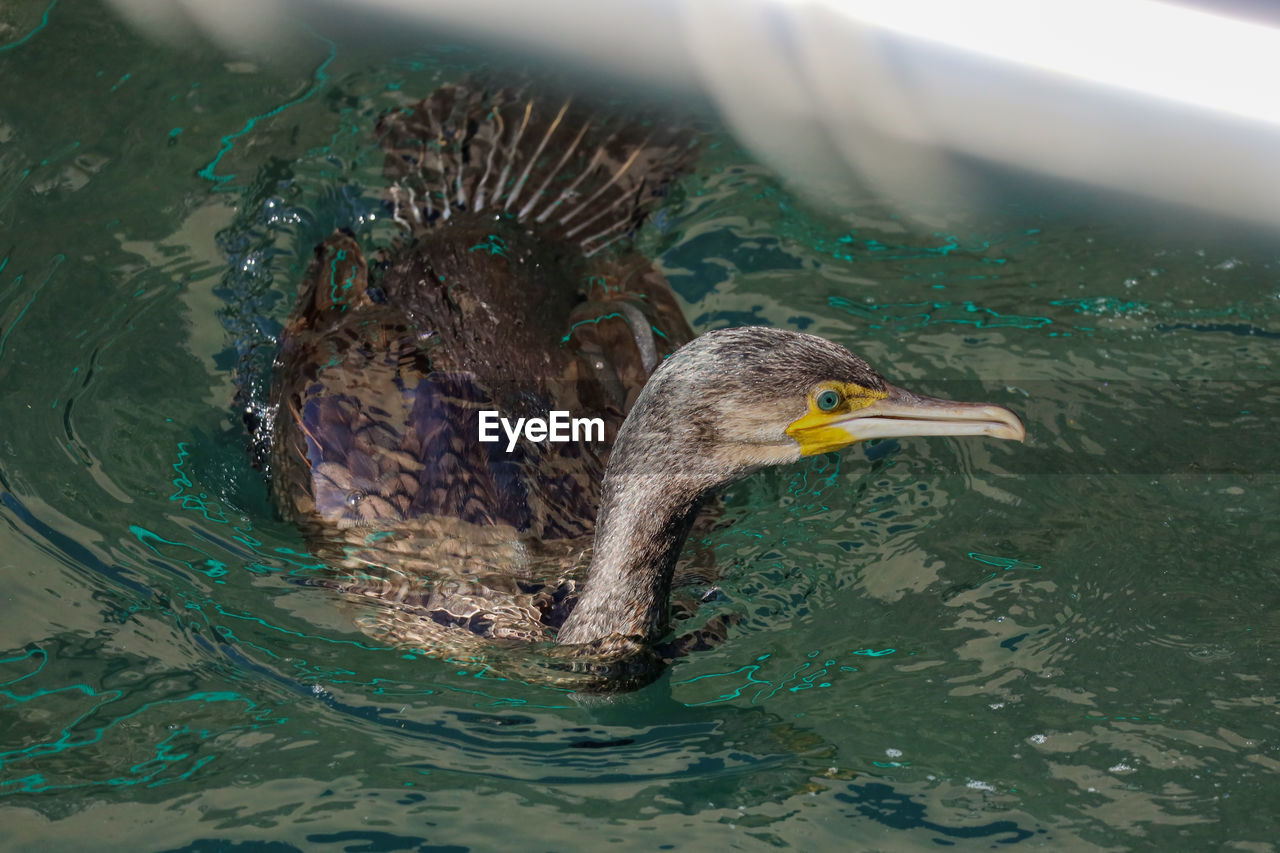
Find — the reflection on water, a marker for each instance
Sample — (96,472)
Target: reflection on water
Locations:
(1070,643)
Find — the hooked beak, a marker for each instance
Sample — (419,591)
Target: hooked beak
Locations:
(902,413)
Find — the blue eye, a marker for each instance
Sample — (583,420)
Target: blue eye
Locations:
(827,400)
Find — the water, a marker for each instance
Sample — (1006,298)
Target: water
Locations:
(1071,643)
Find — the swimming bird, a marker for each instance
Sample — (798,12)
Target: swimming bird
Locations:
(505,295)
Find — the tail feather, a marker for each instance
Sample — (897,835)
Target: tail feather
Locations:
(540,192)
(578,176)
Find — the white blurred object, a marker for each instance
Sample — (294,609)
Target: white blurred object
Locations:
(904,96)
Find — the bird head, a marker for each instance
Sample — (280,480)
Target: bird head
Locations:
(736,400)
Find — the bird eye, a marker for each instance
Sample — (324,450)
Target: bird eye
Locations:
(827,400)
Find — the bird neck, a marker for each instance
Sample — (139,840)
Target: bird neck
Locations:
(643,522)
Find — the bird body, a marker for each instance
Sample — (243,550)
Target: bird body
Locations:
(500,298)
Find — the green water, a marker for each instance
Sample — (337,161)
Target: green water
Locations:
(1072,643)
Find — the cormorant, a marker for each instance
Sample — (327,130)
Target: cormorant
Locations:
(514,290)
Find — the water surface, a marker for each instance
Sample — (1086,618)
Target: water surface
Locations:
(1071,643)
